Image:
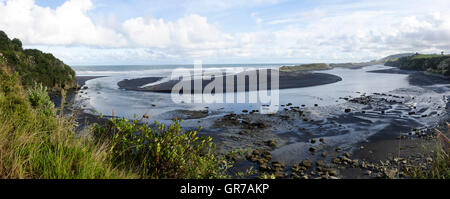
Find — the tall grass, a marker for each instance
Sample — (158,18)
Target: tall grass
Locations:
(35,143)
(439,168)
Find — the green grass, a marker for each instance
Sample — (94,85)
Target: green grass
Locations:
(306,67)
(439,168)
(426,56)
(37,144)
(161,151)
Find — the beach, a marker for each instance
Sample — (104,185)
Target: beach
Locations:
(346,139)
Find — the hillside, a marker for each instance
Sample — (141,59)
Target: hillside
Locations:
(306,67)
(35,66)
(439,64)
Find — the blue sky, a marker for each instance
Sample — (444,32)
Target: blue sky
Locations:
(91,32)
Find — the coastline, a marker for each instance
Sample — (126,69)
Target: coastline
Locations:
(255,134)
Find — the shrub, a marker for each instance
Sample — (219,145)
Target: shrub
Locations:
(39,99)
(43,146)
(160,151)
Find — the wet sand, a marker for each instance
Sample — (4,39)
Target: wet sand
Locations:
(286,80)
(287,142)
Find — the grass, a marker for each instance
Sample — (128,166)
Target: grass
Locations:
(426,56)
(35,143)
(159,151)
(306,67)
(439,167)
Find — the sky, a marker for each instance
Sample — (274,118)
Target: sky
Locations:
(127,32)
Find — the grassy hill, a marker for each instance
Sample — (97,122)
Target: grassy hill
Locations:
(439,64)
(306,67)
(35,66)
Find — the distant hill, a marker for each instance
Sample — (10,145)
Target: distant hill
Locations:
(34,65)
(306,67)
(439,64)
(394,57)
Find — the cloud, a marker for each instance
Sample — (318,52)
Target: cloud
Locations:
(336,33)
(68,24)
(190,32)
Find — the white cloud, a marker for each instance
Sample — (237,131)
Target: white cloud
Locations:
(333,33)
(66,25)
(191,32)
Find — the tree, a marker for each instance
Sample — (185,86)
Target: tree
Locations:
(17,44)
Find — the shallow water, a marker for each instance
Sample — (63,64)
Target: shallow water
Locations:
(104,96)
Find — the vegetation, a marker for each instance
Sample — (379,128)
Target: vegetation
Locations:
(306,67)
(439,169)
(439,64)
(160,151)
(35,66)
(36,143)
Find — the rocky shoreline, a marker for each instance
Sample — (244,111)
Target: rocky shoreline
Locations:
(301,142)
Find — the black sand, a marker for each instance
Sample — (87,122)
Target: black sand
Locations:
(286,80)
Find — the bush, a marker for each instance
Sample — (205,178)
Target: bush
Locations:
(43,146)
(35,66)
(160,151)
(39,99)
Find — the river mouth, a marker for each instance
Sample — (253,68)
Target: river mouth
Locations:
(363,107)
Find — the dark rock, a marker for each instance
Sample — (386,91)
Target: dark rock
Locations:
(307,163)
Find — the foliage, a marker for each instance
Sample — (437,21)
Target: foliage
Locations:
(161,152)
(35,66)
(439,64)
(39,99)
(439,168)
(35,143)
(305,67)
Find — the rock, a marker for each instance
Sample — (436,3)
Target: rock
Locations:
(347,155)
(429,160)
(307,163)
(262,161)
(266,156)
(277,165)
(256,152)
(271,143)
(263,167)
(245,111)
(312,149)
(316,105)
(332,172)
(361,148)
(338,149)
(348,110)
(324,154)
(336,161)
(321,140)
(334,178)
(390,173)
(313,141)
(368,172)
(319,163)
